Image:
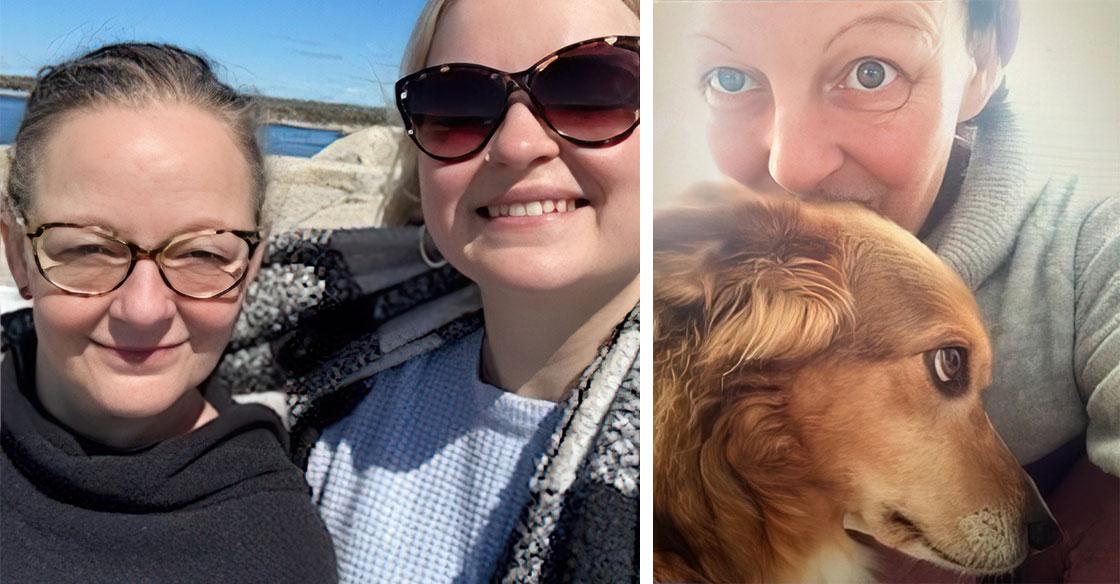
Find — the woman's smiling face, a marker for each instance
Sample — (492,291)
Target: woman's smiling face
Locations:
(527,164)
(143,174)
(839,100)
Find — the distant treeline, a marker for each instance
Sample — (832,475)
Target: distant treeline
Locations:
(318,112)
(17,83)
(277,109)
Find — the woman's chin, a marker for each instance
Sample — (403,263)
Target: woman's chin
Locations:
(542,275)
(136,398)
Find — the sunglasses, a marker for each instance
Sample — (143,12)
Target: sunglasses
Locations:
(586,92)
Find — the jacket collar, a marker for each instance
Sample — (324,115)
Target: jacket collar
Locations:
(978,233)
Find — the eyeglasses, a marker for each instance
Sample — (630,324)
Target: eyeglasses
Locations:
(85,261)
(586,92)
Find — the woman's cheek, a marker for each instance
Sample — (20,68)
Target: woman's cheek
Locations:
(442,186)
(900,152)
(738,148)
(213,320)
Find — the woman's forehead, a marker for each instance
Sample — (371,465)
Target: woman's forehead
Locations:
(815,26)
(156,169)
(467,31)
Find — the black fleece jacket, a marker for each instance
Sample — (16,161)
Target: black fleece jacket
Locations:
(220,504)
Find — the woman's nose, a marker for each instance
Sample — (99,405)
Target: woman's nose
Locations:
(803,149)
(144,299)
(523,138)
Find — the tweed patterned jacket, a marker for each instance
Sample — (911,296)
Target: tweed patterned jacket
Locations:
(331,308)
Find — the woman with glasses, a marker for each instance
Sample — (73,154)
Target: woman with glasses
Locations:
(132,223)
(444,443)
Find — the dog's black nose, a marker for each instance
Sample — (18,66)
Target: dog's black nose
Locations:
(1042,534)
(1042,530)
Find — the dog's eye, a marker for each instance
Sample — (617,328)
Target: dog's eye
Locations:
(948,366)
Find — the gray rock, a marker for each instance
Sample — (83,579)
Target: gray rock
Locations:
(317,193)
(5,276)
(4,162)
(374,146)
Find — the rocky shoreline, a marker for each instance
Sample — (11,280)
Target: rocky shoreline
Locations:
(17,83)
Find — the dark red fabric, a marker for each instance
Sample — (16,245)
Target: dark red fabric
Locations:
(1087,507)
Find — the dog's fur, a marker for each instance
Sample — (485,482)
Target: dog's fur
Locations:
(793,397)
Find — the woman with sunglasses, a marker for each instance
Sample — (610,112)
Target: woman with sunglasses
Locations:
(132,223)
(448,444)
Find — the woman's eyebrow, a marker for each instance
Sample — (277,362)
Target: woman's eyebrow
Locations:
(893,18)
(710,38)
(215,223)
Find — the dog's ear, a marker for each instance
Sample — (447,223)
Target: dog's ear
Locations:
(748,279)
(738,280)
(685,238)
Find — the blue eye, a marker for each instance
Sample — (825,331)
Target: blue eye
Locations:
(729,80)
(870,75)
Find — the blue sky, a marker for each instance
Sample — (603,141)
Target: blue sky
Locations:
(326,50)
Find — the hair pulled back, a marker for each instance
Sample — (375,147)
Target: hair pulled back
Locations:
(131,75)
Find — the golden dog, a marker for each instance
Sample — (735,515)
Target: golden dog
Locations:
(816,367)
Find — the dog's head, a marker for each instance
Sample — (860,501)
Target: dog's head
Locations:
(816,363)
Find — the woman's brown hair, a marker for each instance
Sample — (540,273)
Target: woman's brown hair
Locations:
(131,74)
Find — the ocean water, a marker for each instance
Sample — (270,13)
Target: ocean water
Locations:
(11,112)
(293,141)
(278,139)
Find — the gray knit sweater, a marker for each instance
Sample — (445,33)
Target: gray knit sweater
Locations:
(1042,254)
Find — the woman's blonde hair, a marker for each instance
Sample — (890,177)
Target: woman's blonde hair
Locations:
(402,194)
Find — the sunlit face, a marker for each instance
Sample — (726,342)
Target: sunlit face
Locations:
(838,100)
(145,174)
(594,246)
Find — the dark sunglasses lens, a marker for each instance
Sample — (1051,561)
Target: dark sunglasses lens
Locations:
(455,111)
(590,93)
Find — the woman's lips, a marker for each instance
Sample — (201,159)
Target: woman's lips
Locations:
(139,355)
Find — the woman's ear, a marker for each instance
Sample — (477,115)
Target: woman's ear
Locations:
(14,245)
(986,77)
